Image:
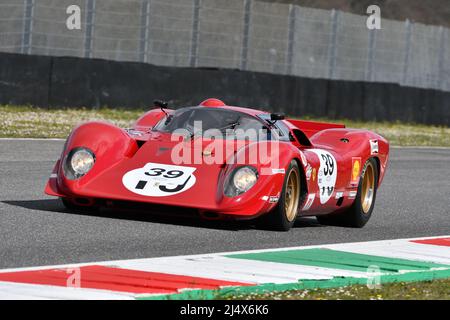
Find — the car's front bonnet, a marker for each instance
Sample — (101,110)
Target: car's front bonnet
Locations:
(154,174)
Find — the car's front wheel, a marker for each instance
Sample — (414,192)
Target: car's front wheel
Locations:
(283,216)
(361,210)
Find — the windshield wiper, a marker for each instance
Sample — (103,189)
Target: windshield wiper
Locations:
(191,133)
(231,125)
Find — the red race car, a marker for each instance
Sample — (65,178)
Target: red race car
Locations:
(224,162)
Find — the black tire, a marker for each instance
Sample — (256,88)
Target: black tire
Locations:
(355,216)
(278,219)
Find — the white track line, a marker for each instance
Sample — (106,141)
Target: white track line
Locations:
(61,139)
(32,139)
(420,147)
(16,291)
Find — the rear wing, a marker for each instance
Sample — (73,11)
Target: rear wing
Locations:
(312,127)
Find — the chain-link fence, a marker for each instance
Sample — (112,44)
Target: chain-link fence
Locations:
(237,34)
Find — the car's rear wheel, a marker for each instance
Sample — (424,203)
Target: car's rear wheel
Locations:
(283,216)
(361,210)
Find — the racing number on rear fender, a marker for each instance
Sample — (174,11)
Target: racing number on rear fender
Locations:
(328,170)
(329,164)
(327,174)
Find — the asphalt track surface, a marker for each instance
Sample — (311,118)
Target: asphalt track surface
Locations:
(35,229)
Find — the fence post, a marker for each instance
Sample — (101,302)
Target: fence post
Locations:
(27,36)
(371,54)
(441,77)
(195,33)
(143,45)
(90,16)
(246,35)
(291,38)
(407,51)
(333,44)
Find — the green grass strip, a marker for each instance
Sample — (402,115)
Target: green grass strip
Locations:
(301,285)
(335,259)
(27,121)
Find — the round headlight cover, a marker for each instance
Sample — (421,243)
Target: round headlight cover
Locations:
(242,179)
(78,162)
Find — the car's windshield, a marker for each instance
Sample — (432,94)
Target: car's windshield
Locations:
(198,120)
(279,126)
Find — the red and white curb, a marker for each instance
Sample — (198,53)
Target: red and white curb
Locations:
(194,275)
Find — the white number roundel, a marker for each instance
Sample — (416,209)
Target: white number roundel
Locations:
(159,180)
(327,174)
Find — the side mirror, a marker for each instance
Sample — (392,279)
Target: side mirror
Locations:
(277,116)
(160,103)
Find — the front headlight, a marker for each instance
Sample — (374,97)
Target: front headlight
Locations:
(78,162)
(240,181)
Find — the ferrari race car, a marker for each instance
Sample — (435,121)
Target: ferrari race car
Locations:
(222,162)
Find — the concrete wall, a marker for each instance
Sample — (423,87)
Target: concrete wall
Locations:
(117,30)
(11,26)
(352,47)
(268,37)
(221,33)
(170,32)
(313,29)
(390,45)
(423,63)
(50,35)
(237,34)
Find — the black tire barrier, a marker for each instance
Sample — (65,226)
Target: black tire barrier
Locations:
(76,82)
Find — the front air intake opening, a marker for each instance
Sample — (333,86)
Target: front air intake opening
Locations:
(83,201)
(207,215)
(140,143)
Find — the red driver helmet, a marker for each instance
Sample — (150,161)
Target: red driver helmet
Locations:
(212,102)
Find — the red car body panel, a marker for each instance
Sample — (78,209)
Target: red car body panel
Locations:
(118,151)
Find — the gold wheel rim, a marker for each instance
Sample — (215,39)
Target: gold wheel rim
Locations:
(368,188)
(292,194)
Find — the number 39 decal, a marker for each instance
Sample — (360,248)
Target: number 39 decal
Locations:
(159,180)
(327,174)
